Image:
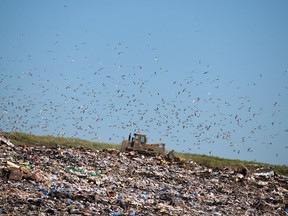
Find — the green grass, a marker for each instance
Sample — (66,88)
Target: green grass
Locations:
(212,161)
(51,141)
(209,161)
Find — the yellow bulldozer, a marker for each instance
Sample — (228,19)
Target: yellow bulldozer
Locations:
(138,143)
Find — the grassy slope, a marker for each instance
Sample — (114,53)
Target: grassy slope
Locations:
(50,141)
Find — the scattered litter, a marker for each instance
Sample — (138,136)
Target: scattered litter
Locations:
(264,174)
(62,181)
(6,141)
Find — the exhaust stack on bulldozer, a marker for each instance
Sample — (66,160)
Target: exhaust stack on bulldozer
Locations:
(139,144)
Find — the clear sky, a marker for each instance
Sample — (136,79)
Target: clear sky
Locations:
(206,77)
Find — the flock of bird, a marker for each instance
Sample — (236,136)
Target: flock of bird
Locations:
(107,100)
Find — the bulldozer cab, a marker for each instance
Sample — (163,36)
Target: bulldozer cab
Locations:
(140,138)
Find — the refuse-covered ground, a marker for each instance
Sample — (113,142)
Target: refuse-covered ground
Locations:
(78,181)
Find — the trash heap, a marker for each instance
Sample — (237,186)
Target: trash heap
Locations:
(78,181)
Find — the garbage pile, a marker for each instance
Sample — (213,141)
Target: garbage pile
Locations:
(78,181)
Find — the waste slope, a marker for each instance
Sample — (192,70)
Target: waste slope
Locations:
(61,181)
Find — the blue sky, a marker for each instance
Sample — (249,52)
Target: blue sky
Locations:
(207,77)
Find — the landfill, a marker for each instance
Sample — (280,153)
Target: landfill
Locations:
(79,181)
